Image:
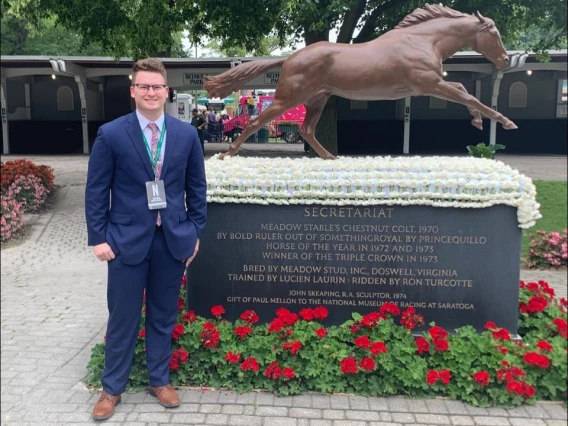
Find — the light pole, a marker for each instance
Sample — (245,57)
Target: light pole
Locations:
(516,61)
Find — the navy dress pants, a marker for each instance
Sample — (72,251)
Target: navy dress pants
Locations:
(160,274)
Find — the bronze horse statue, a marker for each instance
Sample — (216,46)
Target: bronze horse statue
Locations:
(406,61)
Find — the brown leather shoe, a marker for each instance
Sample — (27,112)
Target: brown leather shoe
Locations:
(104,408)
(167,396)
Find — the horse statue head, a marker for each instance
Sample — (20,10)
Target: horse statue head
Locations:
(488,42)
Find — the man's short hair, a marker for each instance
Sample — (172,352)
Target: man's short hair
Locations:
(194,110)
(149,65)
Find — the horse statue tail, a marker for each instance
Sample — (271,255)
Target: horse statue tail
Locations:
(220,86)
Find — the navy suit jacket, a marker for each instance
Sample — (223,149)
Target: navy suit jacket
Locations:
(116,204)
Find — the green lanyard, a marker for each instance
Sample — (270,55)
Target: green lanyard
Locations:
(154,160)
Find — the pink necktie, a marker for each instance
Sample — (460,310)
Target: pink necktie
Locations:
(154,147)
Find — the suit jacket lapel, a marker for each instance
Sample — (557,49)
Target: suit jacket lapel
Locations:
(135,133)
(171,139)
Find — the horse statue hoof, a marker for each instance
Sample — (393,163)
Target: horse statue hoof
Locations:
(510,126)
(477,123)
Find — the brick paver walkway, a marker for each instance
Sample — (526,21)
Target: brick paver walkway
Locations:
(53,311)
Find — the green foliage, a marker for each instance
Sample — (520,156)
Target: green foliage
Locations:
(149,28)
(399,369)
(484,151)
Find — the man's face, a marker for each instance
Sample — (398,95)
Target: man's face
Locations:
(150,101)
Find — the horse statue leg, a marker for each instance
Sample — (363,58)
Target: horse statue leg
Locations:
(314,107)
(476,122)
(277,108)
(449,92)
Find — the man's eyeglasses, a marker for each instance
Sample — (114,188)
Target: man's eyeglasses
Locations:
(157,88)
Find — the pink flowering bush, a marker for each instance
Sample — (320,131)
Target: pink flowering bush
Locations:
(29,191)
(547,250)
(12,217)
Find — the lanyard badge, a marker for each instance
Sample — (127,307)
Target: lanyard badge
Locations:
(155,190)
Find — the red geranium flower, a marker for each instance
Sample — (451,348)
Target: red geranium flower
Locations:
(321,333)
(181,354)
(250,316)
(422,345)
(544,346)
(371,319)
(294,347)
(502,349)
(431,377)
(437,333)
(534,358)
(445,376)
(289,373)
(515,387)
(174,363)
(362,342)
(490,325)
(181,304)
(217,310)
(367,364)
(276,325)
(231,357)
(510,373)
(441,345)
(307,314)
(349,365)
(481,377)
(243,331)
(389,308)
(536,304)
(561,327)
(210,335)
(142,333)
(501,334)
(378,348)
(410,319)
(287,317)
(183,280)
(249,364)
(528,390)
(178,331)
(321,313)
(190,316)
(273,371)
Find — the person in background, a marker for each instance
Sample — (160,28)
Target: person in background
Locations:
(198,122)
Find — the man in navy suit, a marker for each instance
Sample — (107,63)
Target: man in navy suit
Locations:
(146,208)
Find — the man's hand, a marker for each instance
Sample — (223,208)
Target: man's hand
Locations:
(103,252)
(189,260)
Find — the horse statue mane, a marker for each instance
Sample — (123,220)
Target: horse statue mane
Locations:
(400,63)
(430,11)
(435,11)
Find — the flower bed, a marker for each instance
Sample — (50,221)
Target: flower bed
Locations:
(14,168)
(29,191)
(12,218)
(548,250)
(431,181)
(25,188)
(375,354)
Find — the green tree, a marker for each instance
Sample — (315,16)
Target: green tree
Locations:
(267,47)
